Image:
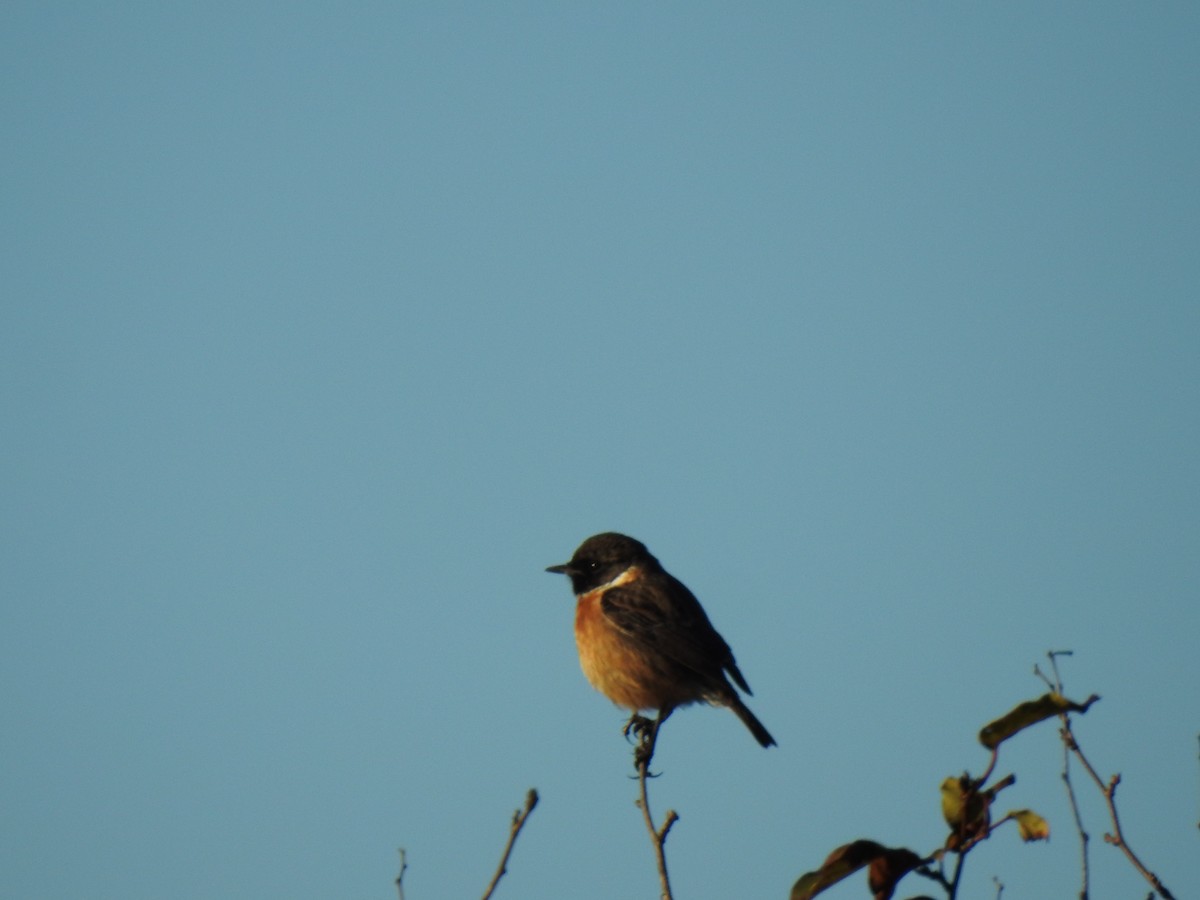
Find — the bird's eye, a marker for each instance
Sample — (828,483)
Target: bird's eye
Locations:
(593,566)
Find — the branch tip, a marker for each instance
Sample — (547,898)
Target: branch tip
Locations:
(518,822)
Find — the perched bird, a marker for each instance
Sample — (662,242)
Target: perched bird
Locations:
(644,640)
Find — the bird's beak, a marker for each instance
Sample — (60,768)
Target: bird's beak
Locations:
(564,569)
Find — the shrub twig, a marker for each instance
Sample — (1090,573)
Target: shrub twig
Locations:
(643,753)
(518,822)
(1108,791)
(400,877)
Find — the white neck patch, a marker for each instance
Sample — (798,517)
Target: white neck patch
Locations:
(624,577)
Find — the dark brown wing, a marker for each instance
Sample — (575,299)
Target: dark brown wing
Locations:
(660,613)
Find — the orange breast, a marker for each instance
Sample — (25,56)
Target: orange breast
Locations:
(614,666)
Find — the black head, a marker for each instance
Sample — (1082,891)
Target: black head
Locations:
(601,558)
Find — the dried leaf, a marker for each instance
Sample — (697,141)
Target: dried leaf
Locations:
(961,805)
(886,871)
(845,860)
(1031,826)
(967,811)
(953,799)
(1029,713)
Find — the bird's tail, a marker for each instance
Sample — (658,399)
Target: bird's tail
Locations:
(756,727)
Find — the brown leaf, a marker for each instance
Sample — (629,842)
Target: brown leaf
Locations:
(1029,713)
(845,860)
(886,871)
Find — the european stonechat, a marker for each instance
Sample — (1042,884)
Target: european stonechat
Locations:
(644,640)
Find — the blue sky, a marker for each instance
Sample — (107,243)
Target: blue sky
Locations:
(327,329)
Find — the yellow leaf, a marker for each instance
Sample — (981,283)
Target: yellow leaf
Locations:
(962,806)
(952,801)
(1031,826)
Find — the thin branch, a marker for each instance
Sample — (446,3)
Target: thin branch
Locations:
(1084,837)
(658,836)
(1117,838)
(960,861)
(400,877)
(1008,817)
(518,822)
(643,753)
(982,780)
(1054,655)
(1067,739)
(925,869)
(1037,671)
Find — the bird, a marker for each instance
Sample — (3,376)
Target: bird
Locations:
(644,639)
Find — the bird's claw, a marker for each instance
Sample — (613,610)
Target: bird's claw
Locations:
(640,726)
(646,732)
(642,755)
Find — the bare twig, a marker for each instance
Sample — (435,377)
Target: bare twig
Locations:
(1037,670)
(1008,817)
(400,877)
(1117,839)
(939,874)
(960,860)
(1054,655)
(658,836)
(1057,686)
(643,753)
(999,887)
(1109,791)
(982,780)
(518,822)
(1084,837)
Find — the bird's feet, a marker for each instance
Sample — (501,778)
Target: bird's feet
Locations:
(642,754)
(646,732)
(639,726)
